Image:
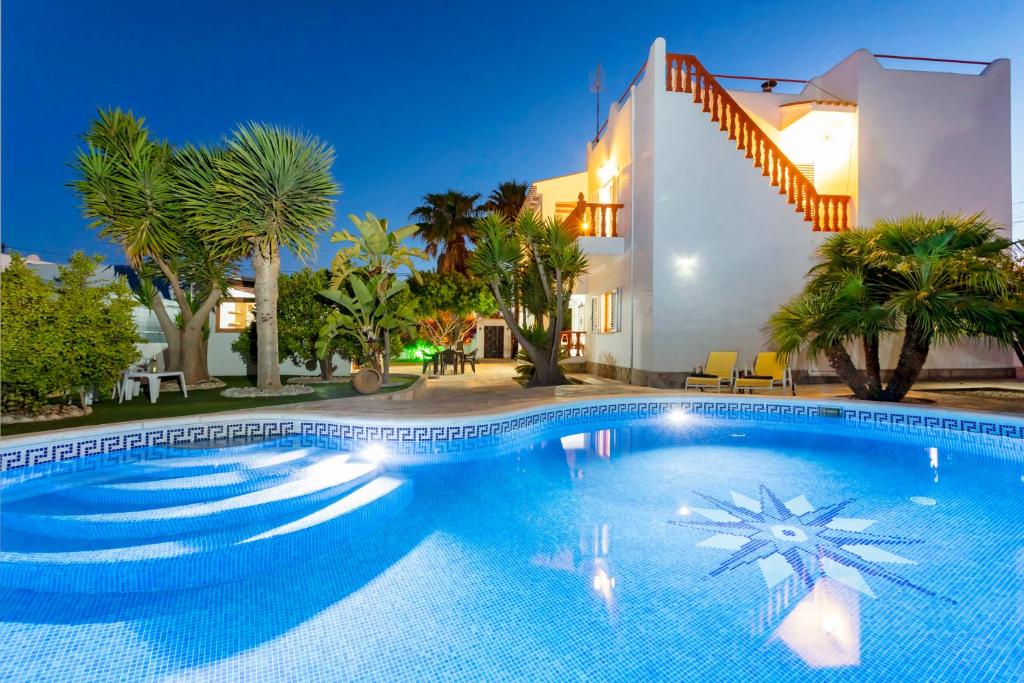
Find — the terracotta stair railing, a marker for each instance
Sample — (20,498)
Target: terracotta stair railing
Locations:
(826,212)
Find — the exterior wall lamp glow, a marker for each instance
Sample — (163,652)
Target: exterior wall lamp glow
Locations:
(686,266)
(607,171)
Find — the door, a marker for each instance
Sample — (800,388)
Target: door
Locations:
(494,341)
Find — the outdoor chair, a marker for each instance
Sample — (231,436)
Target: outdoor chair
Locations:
(768,372)
(430,361)
(718,371)
(449,357)
(469,358)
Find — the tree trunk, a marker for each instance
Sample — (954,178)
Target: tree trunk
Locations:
(193,348)
(326,367)
(172,355)
(266,268)
(913,354)
(546,373)
(840,361)
(1018,348)
(386,360)
(515,315)
(193,358)
(872,365)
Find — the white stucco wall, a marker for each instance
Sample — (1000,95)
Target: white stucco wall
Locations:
(223,362)
(929,142)
(628,144)
(728,248)
(566,188)
(478,338)
(712,249)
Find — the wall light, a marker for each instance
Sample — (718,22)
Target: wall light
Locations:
(607,171)
(686,266)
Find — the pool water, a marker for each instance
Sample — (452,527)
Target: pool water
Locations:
(676,547)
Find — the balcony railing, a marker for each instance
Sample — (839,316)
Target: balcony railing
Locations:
(574,342)
(594,219)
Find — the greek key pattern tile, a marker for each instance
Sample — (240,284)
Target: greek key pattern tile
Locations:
(496,429)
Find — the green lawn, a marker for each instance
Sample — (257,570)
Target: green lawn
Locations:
(173,404)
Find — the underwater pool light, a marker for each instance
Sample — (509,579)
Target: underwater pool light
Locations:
(374,452)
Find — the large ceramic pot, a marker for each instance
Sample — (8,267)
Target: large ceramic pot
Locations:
(367,381)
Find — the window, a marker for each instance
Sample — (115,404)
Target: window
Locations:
(605,312)
(234,315)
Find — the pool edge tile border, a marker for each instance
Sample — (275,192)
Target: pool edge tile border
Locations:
(49,447)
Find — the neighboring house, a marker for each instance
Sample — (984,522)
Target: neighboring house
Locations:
(701,207)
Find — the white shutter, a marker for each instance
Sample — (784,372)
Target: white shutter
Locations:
(616,310)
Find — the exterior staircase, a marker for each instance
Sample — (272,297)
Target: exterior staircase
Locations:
(825,212)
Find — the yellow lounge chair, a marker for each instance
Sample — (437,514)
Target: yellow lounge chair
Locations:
(719,371)
(768,372)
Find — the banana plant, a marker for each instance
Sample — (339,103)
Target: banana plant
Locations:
(365,286)
(367,315)
(375,250)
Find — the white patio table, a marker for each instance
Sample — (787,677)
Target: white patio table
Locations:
(154,382)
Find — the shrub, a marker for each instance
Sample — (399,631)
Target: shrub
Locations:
(927,279)
(61,338)
(301,312)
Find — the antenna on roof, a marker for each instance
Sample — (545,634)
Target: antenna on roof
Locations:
(596,86)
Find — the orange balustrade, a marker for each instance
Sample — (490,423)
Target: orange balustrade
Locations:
(604,220)
(828,213)
(574,342)
(592,219)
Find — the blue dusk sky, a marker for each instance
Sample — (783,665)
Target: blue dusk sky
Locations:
(415,97)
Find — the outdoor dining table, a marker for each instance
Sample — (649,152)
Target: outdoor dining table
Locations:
(154,379)
(459,366)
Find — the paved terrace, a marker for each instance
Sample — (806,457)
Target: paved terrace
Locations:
(493,389)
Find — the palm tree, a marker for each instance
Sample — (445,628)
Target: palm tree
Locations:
(937,279)
(446,222)
(506,199)
(129,185)
(273,191)
(542,250)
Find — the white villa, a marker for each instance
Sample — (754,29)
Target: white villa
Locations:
(701,207)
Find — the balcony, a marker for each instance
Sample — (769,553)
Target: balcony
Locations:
(574,342)
(597,227)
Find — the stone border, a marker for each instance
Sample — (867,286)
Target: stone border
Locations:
(411,392)
(34,449)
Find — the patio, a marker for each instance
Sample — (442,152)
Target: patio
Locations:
(493,389)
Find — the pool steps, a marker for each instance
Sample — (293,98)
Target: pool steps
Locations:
(330,499)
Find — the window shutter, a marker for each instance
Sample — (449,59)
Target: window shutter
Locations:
(593,314)
(614,324)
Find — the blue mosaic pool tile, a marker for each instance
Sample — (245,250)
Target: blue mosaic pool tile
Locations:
(48,449)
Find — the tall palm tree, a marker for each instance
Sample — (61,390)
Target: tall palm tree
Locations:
(273,191)
(130,186)
(446,224)
(506,199)
(554,259)
(937,279)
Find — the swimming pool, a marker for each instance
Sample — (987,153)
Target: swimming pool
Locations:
(611,540)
